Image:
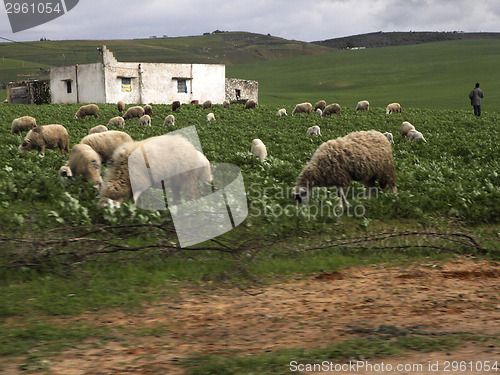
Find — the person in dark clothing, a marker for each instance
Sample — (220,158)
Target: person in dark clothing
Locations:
(475,97)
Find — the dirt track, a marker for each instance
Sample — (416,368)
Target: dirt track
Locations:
(458,296)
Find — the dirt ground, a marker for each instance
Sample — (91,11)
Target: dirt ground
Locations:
(458,296)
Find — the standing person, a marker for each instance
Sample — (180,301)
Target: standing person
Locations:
(475,97)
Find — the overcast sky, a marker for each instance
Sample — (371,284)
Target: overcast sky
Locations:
(291,19)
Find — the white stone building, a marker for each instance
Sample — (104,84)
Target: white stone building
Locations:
(110,81)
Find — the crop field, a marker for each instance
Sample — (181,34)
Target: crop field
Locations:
(64,258)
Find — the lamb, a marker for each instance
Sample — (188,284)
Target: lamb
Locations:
(207,104)
(226,104)
(393,107)
(259,149)
(83,161)
(314,130)
(106,143)
(320,105)
(46,136)
(117,121)
(176,105)
(169,120)
(305,107)
(148,110)
(250,104)
(145,120)
(364,156)
(87,110)
(389,137)
(281,112)
(120,106)
(210,117)
(414,135)
(177,162)
(330,109)
(319,112)
(405,128)
(132,112)
(363,105)
(98,129)
(23,124)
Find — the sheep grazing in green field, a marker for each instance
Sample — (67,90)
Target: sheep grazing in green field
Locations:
(414,135)
(169,120)
(23,124)
(363,105)
(98,129)
(120,106)
(259,149)
(393,107)
(145,120)
(87,110)
(117,121)
(405,128)
(136,111)
(85,162)
(281,112)
(331,109)
(320,105)
(106,143)
(305,107)
(47,136)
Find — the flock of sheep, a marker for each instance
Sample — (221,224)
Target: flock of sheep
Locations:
(364,156)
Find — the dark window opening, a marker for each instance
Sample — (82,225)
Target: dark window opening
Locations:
(238,94)
(182,86)
(68,87)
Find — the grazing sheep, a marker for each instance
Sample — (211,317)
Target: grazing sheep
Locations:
(393,107)
(405,128)
(281,112)
(87,110)
(389,137)
(414,135)
(364,156)
(207,104)
(363,105)
(132,112)
(176,105)
(330,109)
(319,112)
(120,106)
(169,120)
(98,129)
(145,120)
(320,105)
(210,117)
(250,104)
(83,161)
(302,108)
(314,130)
(148,110)
(106,143)
(259,149)
(226,104)
(23,124)
(117,121)
(177,162)
(46,136)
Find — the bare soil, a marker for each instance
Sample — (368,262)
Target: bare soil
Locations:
(458,296)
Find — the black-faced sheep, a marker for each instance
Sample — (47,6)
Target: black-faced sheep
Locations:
(169,120)
(120,106)
(106,143)
(210,117)
(176,162)
(148,110)
(305,107)
(259,149)
(393,107)
(23,124)
(314,130)
(331,109)
(320,104)
(87,110)
(363,105)
(250,104)
(145,120)
(46,136)
(414,135)
(83,161)
(281,112)
(117,121)
(176,105)
(136,111)
(364,156)
(405,128)
(207,104)
(98,129)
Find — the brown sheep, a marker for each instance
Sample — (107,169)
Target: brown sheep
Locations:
(321,105)
(148,110)
(250,104)
(46,136)
(120,106)
(176,105)
(83,161)
(330,109)
(87,110)
(132,112)
(207,104)
(23,124)
(305,107)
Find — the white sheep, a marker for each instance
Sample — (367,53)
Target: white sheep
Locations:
(210,117)
(145,120)
(136,111)
(23,124)
(46,136)
(393,107)
(106,143)
(281,112)
(364,156)
(117,121)
(178,166)
(85,162)
(414,135)
(87,110)
(305,107)
(259,149)
(314,130)
(169,120)
(405,128)
(319,112)
(363,105)
(389,136)
(98,129)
